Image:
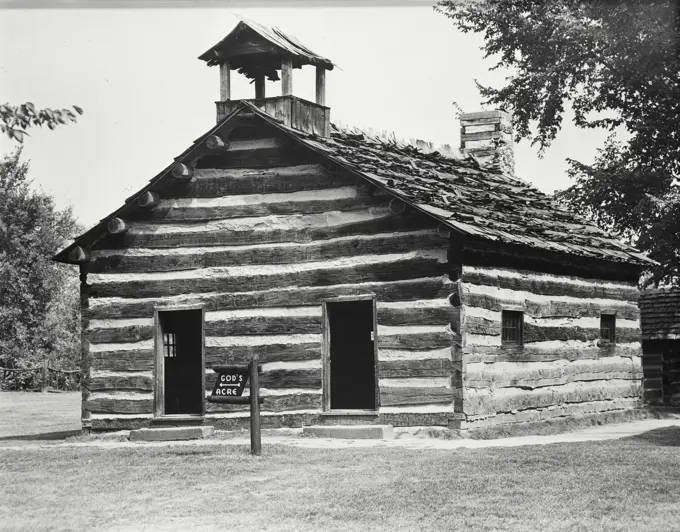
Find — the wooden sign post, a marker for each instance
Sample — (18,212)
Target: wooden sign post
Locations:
(255,439)
(229,386)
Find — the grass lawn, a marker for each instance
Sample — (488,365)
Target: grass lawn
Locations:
(33,415)
(630,484)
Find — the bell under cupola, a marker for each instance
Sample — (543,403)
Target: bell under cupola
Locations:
(261,53)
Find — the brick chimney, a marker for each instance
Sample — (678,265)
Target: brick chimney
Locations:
(488,136)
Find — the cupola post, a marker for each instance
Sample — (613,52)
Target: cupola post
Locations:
(321,86)
(225,81)
(286,77)
(259,87)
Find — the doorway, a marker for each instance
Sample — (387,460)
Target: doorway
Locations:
(350,362)
(180,381)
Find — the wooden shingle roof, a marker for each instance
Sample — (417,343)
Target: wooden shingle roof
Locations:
(475,201)
(660,314)
(471,200)
(252,48)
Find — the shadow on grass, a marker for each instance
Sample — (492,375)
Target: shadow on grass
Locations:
(663,437)
(61,435)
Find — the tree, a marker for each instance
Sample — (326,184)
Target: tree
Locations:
(39,304)
(616,63)
(15,120)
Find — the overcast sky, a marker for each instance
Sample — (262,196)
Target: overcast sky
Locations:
(146,96)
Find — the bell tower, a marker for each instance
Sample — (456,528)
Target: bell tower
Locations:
(260,53)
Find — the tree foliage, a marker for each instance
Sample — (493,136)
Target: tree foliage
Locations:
(39,305)
(616,64)
(16,119)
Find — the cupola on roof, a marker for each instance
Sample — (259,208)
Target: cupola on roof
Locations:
(259,52)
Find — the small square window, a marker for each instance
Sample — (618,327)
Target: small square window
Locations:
(608,327)
(170,345)
(513,328)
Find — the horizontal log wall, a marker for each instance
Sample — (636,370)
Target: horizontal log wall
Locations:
(396,416)
(562,368)
(261,249)
(661,363)
(414,355)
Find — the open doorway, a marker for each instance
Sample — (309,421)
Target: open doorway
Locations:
(180,379)
(350,355)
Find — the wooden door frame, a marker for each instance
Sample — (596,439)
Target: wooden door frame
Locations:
(159,362)
(326,355)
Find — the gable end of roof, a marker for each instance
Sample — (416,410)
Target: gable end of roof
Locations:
(469,200)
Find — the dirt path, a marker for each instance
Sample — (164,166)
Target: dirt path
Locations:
(35,420)
(599,433)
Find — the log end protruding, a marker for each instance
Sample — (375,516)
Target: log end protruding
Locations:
(148,200)
(116,226)
(79,254)
(444,231)
(182,171)
(398,207)
(454,299)
(213,142)
(364,188)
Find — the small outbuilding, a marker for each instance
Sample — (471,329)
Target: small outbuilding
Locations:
(660,313)
(378,282)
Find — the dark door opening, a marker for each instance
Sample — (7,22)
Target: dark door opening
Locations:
(352,355)
(181,335)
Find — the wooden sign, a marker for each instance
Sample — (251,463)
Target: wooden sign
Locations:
(231,381)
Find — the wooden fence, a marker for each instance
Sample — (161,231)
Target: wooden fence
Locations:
(40,378)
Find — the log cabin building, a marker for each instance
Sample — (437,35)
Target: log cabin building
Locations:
(660,317)
(379,283)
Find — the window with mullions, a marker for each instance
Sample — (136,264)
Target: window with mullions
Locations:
(170,345)
(608,327)
(513,328)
